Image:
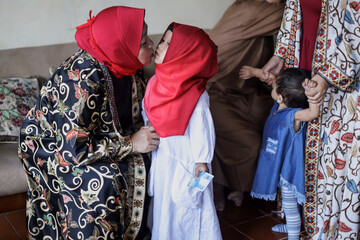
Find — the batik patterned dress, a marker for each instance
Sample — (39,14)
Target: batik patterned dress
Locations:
(83,180)
(332,167)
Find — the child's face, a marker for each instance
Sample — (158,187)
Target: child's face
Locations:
(162,47)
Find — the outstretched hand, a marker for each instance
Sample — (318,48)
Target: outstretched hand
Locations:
(145,140)
(247,72)
(200,167)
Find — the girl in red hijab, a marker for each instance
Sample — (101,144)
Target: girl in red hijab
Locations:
(177,105)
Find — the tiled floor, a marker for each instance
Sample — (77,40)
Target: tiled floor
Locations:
(12,217)
(253,220)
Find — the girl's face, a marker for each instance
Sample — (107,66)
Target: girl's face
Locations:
(162,47)
(146,51)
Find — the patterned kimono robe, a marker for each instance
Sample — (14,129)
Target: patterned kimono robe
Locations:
(83,180)
(332,167)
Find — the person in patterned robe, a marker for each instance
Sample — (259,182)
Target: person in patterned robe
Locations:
(83,146)
(323,36)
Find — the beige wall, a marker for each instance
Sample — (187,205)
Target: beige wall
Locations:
(27,23)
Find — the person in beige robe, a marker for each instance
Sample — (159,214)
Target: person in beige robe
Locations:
(239,107)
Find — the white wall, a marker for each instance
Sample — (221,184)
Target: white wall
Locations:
(25,23)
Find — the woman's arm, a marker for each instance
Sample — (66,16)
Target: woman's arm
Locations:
(338,61)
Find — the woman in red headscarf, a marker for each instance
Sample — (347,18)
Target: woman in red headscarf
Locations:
(82,144)
(177,105)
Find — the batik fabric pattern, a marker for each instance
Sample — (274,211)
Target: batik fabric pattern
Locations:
(83,180)
(332,166)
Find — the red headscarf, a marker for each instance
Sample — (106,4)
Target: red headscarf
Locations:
(113,38)
(173,92)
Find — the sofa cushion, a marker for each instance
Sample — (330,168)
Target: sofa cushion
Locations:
(12,174)
(17,97)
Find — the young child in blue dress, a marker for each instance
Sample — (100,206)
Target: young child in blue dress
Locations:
(281,159)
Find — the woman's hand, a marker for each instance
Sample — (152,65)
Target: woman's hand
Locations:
(200,167)
(316,95)
(145,140)
(274,66)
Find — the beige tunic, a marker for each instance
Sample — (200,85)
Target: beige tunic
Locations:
(240,107)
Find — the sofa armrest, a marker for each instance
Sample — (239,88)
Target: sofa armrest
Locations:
(12,174)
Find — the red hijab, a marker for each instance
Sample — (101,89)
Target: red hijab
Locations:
(173,92)
(113,38)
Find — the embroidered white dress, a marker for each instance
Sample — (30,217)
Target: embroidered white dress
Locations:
(180,212)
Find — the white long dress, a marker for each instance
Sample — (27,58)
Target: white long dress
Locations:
(178,211)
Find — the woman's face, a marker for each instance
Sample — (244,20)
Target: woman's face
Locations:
(162,47)
(146,51)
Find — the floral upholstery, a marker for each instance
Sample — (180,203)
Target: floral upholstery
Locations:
(17,97)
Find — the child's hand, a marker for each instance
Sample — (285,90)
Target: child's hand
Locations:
(309,84)
(269,80)
(317,94)
(201,167)
(246,72)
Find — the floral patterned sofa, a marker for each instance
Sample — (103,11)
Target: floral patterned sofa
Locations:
(17,95)
(22,73)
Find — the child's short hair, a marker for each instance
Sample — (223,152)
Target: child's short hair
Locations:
(289,86)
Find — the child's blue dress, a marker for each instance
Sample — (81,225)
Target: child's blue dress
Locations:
(282,154)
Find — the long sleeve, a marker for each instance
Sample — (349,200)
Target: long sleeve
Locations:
(288,38)
(337,55)
(71,120)
(201,132)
